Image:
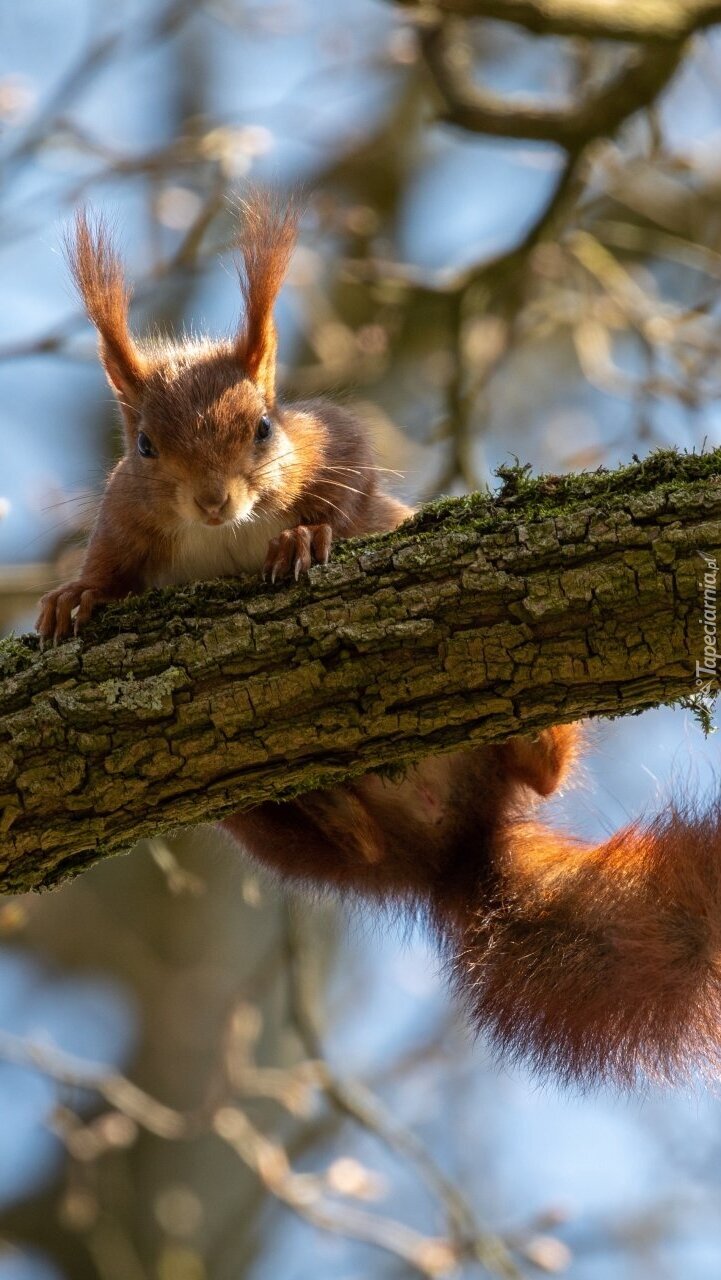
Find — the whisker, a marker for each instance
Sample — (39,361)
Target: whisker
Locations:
(139,487)
(86,502)
(303,451)
(339,484)
(319,498)
(270,462)
(46,533)
(358,467)
(66,526)
(297,454)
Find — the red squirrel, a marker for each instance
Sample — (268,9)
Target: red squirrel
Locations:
(597,963)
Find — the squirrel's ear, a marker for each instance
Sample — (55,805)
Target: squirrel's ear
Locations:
(98,274)
(268,236)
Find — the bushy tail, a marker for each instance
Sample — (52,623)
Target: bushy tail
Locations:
(603,963)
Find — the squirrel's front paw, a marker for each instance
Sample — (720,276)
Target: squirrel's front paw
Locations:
(55,620)
(297,549)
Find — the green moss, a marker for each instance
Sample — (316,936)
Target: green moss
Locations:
(701,706)
(523,496)
(16,653)
(520,497)
(545,496)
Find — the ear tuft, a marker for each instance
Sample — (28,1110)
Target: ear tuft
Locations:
(99,278)
(269,232)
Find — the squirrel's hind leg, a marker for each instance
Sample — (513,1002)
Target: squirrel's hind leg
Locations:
(544,762)
(323,837)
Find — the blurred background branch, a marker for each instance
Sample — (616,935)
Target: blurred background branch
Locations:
(651,20)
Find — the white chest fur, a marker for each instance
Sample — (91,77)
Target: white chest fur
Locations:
(200,552)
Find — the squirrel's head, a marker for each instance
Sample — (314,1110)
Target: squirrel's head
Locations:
(205,438)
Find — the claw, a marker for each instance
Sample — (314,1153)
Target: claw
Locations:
(296,550)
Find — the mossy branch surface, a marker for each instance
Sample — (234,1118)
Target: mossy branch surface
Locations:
(480,618)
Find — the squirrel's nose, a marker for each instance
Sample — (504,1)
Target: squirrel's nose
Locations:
(212,506)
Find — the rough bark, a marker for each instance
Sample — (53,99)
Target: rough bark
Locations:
(481,618)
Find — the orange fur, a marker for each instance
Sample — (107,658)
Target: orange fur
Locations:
(592,963)
(199,404)
(595,962)
(266,246)
(98,274)
(602,963)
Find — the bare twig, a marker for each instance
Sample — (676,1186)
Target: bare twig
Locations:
(357,1103)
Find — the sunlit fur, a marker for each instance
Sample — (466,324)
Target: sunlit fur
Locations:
(601,963)
(214,498)
(594,963)
(98,274)
(266,248)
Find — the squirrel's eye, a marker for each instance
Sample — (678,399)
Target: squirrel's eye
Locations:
(145,446)
(265,428)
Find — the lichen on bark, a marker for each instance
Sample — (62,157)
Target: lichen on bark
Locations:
(481,617)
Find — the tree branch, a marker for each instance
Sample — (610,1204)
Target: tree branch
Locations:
(571,125)
(642,20)
(482,617)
